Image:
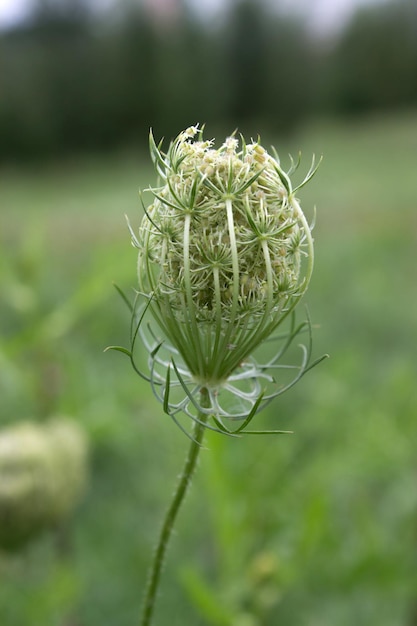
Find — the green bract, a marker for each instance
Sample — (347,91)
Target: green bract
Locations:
(225,254)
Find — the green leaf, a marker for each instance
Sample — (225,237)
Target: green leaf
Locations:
(311,172)
(145,210)
(294,164)
(250,181)
(167,390)
(268,432)
(134,239)
(119,349)
(165,201)
(156,154)
(251,414)
(283,176)
(205,599)
(124,297)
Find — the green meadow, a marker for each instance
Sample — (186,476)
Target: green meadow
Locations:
(315,528)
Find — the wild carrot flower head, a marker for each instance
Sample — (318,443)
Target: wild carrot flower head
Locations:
(225,254)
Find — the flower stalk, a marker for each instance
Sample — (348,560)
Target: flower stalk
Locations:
(171,515)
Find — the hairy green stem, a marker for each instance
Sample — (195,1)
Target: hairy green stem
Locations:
(172,512)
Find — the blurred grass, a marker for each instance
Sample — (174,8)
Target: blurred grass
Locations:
(315,529)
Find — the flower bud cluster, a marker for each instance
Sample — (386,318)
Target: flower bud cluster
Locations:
(43,471)
(221,249)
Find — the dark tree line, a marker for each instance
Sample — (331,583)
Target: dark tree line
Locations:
(70,83)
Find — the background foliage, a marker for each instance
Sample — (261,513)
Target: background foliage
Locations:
(314,529)
(71,82)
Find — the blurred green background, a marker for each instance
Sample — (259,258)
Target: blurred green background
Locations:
(315,529)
